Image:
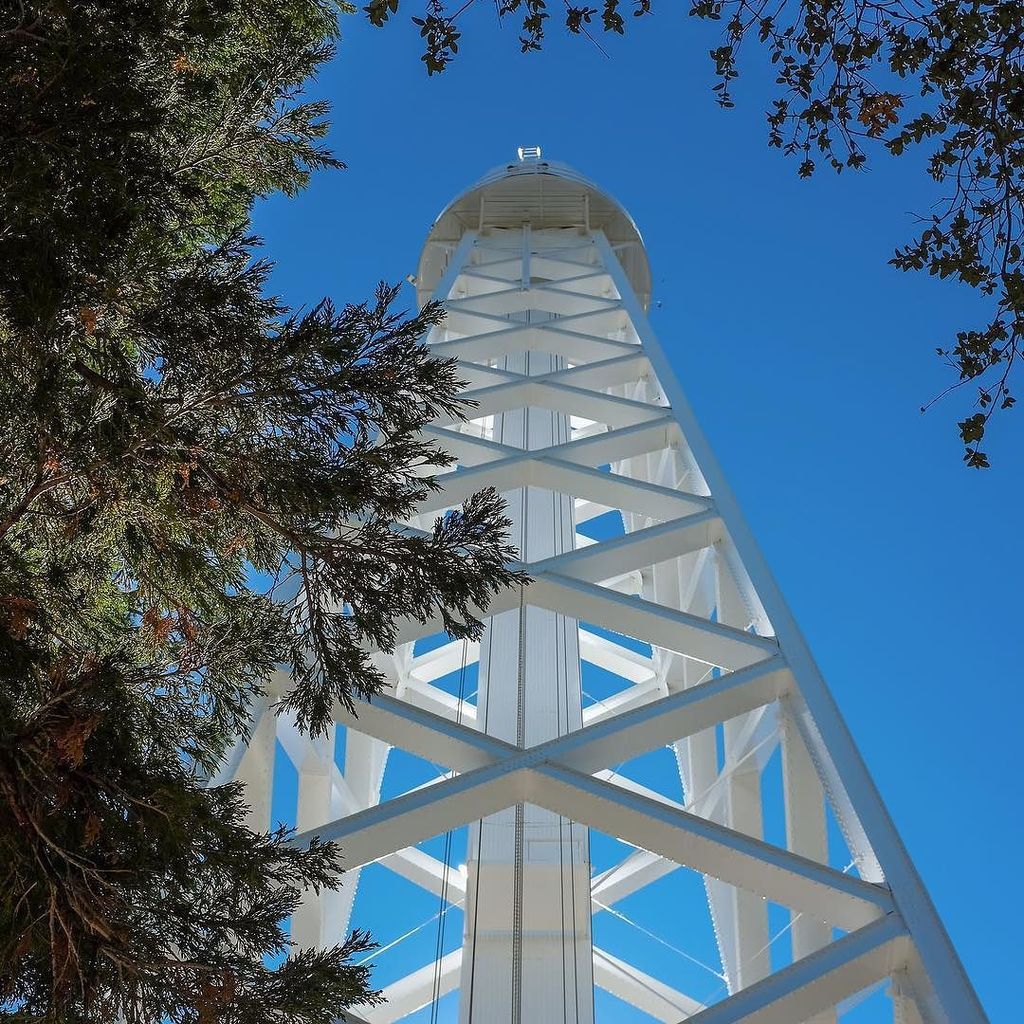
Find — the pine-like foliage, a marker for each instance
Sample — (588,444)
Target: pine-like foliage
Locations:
(196,488)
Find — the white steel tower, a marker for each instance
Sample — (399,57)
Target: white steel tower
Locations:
(580,420)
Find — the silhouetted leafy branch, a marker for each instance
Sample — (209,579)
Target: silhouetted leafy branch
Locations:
(897,73)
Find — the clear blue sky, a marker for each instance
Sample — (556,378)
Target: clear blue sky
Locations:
(807,360)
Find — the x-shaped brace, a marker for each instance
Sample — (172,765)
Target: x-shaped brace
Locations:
(557,775)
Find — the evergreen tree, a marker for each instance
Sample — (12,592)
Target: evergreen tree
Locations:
(196,487)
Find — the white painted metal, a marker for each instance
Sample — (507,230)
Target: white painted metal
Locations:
(580,415)
(630,984)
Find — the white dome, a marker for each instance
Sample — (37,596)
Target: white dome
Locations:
(548,195)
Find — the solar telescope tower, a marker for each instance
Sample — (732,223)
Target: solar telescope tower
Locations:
(580,423)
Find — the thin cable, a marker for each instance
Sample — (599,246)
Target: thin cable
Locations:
(401,938)
(435,995)
(568,948)
(693,806)
(486,678)
(564,668)
(575,968)
(778,935)
(562,696)
(726,773)
(657,938)
(447,863)
(519,837)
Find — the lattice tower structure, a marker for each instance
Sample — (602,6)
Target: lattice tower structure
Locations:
(580,417)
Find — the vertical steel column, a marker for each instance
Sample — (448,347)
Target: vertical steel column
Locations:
(527,954)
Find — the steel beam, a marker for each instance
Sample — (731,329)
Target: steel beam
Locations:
(751,864)
(819,981)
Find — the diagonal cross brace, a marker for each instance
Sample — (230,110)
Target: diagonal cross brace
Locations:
(819,981)
(555,775)
(539,469)
(603,373)
(612,410)
(609,446)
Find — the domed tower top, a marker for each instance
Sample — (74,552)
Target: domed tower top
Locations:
(547,195)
